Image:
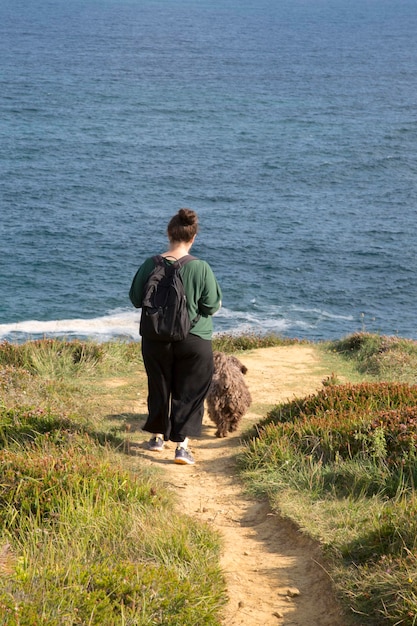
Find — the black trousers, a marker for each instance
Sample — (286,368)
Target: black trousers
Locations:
(179,376)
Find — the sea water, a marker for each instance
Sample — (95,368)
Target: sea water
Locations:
(290,126)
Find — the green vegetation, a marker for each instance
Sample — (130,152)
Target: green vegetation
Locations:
(236,343)
(386,358)
(343,465)
(89,536)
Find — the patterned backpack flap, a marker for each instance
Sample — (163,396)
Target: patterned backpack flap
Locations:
(164,306)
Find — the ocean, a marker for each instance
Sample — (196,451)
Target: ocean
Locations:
(290,126)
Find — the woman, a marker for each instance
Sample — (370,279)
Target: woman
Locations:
(180,372)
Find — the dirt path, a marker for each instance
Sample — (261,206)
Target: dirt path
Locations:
(272,571)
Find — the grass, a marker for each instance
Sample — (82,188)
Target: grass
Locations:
(240,343)
(386,358)
(89,536)
(342,464)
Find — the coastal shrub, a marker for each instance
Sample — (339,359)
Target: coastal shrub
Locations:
(82,539)
(60,360)
(374,424)
(22,424)
(112,593)
(51,357)
(393,533)
(343,400)
(36,480)
(385,357)
(11,354)
(14,381)
(399,428)
(331,380)
(383,591)
(95,543)
(360,344)
(226,342)
(381,565)
(384,436)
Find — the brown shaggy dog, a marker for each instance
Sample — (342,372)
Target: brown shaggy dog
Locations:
(228,398)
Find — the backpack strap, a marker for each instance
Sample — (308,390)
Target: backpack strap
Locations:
(177,263)
(158,259)
(186,259)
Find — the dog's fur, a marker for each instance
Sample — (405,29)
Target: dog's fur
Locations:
(228,398)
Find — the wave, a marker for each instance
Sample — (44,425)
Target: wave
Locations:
(115,325)
(123,324)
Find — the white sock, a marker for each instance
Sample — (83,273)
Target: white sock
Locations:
(183,444)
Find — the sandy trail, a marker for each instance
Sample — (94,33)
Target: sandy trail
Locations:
(272,571)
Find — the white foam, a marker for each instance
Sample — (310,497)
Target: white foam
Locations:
(322,313)
(123,324)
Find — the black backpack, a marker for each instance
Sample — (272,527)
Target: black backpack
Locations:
(164,304)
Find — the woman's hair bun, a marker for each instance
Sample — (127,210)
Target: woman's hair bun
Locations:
(188,217)
(183,226)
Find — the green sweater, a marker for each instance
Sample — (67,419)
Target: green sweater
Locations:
(201,288)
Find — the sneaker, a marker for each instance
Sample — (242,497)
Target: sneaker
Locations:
(183,457)
(156,444)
